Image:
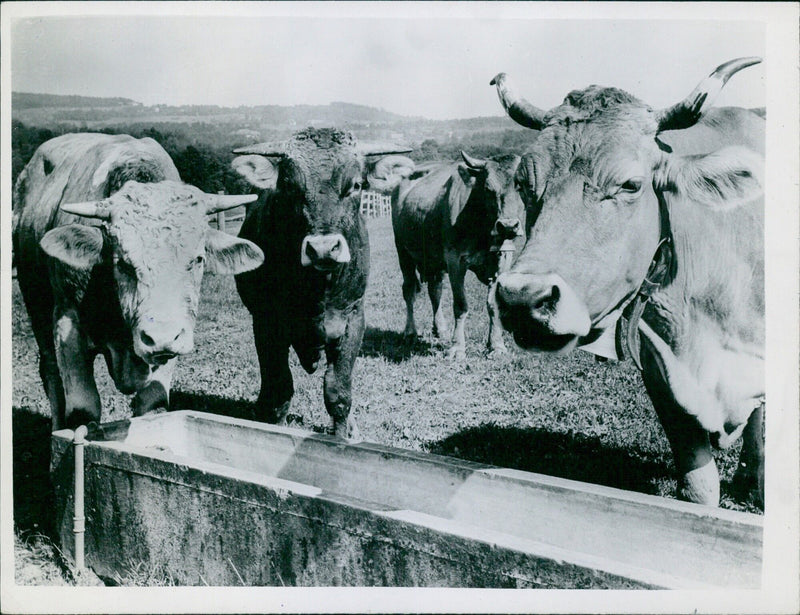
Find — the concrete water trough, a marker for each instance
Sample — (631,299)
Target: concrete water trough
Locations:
(220,501)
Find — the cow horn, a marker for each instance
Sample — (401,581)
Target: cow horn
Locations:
(220,202)
(87,209)
(689,111)
(518,109)
(263,149)
(473,163)
(379,148)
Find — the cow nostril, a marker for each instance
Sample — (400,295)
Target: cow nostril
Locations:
(547,299)
(310,251)
(146,339)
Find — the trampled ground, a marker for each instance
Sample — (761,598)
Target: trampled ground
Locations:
(565,416)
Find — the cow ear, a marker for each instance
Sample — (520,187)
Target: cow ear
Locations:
(388,172)
(226,254)
(257,170)
(77,245)
(459,186)
(467,173)
(721,180)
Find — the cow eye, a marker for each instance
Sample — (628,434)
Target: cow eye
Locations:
(632,186)
(195,262)
(357,185)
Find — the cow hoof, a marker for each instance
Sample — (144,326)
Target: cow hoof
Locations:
(701,485)
(79,417)
(347,430)
(153,396)
(496,352)
(410,337)
(457,353)
(274,416)
(748,486)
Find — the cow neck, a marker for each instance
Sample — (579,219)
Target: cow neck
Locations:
(660,273)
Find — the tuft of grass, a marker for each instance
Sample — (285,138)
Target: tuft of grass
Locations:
(144,574)
(37,561)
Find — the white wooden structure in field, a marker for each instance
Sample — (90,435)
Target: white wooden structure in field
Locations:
(375,205)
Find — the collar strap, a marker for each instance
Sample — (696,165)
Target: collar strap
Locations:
(628,341)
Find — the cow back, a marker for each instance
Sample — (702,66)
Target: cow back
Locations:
(80,167)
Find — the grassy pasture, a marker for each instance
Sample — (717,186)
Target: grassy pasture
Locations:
(565,416)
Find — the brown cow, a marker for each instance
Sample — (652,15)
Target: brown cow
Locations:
(309,294)
(111,248)
(656,217)
(457,217)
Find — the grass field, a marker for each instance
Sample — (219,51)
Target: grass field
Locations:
(565,416)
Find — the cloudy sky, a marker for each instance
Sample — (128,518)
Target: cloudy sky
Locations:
(408,62)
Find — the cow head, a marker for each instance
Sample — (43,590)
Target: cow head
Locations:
(596,182)
(496,190)
(157,241)
(320,176)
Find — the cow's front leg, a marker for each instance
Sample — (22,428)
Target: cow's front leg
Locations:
(748,482)
(277,388)
(76,366)
(457,271)
(435,284)
(494,343)
(411,287)
(154,395)
(698,478)
(341,354)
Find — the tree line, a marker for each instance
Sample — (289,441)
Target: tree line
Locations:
(202,152)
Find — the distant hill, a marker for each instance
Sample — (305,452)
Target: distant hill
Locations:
(25,100)
(40,108)
(95,113)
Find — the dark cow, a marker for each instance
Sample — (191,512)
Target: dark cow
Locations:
(658,218)
(309,294)
(111,248)
(457,217)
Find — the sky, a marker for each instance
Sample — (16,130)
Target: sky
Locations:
(409,63)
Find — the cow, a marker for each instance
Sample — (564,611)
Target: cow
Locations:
(111,247)
(309,293)
(457,217)
(655,216)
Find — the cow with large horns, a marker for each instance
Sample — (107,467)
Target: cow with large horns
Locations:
(111,247)
(454,218)
(309,294)
(656,217)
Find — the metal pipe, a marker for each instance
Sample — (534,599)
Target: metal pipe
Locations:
(78,520)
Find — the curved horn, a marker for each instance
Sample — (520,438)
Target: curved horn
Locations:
(473,163)
(263,149)
(87,209)
(687,112)
(221,202)
(518,109)
(379,148)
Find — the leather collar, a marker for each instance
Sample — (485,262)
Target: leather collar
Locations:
(660,273)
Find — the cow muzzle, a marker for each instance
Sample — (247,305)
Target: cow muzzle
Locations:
(541,311)
(158,342)
(507,228)
(324,252)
